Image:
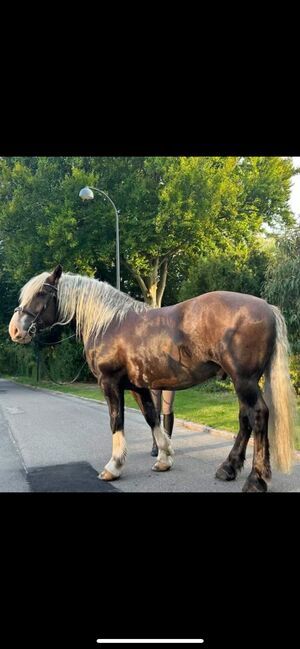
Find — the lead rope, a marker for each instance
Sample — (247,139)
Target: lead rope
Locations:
(58,343)
(67,382)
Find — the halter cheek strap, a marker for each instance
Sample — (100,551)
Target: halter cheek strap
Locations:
(32,329)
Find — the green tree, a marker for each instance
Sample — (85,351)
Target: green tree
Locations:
(172,210)
(177,208)
(282,285)
(242,271)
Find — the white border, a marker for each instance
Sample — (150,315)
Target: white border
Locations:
(149,641)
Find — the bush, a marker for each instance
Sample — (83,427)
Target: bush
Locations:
(58,362)
(215,385)
(17,360)
(295,372)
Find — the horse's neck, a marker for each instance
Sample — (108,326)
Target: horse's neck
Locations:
(94,311)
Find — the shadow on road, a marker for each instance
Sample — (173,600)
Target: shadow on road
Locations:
(72,477)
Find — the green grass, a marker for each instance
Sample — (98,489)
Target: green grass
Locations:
(200,405)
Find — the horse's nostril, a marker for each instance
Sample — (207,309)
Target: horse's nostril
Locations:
(14,331)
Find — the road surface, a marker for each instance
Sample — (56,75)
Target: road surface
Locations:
(50,441)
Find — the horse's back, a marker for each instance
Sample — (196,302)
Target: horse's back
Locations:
(225,304)
(231,299)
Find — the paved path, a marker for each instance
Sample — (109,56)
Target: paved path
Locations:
(55,442)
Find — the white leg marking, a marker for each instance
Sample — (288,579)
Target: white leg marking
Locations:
(119,452)
(165,450)
(163,441)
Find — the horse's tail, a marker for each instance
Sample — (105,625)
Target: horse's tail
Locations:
(280,399)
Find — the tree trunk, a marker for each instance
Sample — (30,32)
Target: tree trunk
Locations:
(152,285)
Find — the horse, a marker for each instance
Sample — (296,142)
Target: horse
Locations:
(130,346)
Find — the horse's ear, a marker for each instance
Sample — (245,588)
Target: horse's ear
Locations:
(54,277)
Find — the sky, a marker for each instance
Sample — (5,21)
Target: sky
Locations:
(295,194)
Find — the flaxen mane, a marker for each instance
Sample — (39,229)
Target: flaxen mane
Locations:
(92,303)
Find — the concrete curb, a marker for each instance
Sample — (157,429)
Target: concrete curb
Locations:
(220,433)
(201,428)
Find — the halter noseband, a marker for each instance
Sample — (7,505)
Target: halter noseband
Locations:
(32,329)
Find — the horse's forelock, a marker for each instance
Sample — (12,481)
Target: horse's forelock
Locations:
(32,287)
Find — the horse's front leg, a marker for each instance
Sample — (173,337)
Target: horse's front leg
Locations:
(115,398)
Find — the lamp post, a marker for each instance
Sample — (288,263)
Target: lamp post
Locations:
(87,194)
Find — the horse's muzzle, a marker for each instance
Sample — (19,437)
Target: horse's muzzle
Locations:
(17,334)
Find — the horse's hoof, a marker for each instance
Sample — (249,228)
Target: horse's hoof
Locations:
(161,466)
(107,475)
(226,472)
(154,451)
(267,474)
(253,485)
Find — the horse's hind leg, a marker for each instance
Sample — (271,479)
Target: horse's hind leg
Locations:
(156,398)
(152,416)
(261,469)
(115,399)
(157,401)
(236,458)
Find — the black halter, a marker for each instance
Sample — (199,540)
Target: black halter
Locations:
(32,329)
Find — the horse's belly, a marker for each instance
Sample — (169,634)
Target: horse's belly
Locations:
(171,376)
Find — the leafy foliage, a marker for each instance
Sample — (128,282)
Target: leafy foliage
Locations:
(243,271)
(282,285)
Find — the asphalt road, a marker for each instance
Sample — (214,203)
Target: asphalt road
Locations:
(55,442)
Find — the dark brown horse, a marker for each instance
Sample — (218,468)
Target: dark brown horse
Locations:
(131,347)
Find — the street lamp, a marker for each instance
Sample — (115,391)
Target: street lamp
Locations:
(87,194)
